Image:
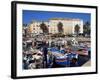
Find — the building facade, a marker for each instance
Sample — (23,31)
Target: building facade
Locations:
(67,26)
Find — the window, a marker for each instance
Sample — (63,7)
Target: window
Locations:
(33,28)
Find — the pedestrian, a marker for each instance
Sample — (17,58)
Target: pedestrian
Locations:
(45,52)
(68,56)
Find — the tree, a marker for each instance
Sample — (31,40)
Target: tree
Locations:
(77,29)
(44,27)
(25,25)
(60,27)
(86,28)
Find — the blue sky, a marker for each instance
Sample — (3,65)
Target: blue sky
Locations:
(29,15)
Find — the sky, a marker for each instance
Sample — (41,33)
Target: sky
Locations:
(29,15)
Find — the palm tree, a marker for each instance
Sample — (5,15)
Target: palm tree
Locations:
(77,29)
(86,28)
(25,25)
(44,27)
(60,27)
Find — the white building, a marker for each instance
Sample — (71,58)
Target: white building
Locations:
(68,25)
